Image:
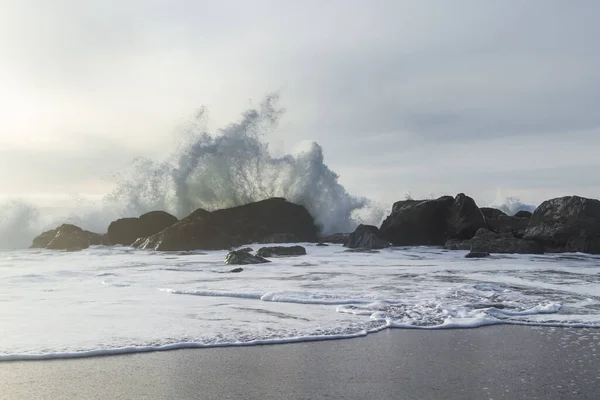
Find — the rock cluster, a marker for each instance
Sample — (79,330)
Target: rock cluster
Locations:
(564,224)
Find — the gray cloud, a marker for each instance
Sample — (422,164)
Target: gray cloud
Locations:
(424,96)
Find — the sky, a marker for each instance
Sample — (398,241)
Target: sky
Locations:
(435,97)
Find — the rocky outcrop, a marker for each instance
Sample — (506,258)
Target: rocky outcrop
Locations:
(336,238)
(233,227)
(281,251)
(243,258)
(566,224)
(68,237)
(486,241)
(457,244)
(474,254)
(489,212)
(505,224)
(432,222)
(366,237)
(523,214)
(417,222)
(464,218)
(126,231)
(280,238)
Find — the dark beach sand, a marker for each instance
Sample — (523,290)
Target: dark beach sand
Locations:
(498,362)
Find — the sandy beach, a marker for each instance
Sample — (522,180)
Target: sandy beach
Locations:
(497,362)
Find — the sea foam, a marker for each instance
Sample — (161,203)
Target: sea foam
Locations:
(114,300)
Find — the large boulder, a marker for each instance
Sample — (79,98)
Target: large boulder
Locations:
(125,231)
(523,214)
(417,222)
(503,224)
(282,251)
(464,218)
(486,241)
(566,224)
(365,237)
(489,212)
(432,222)
(233,227)
(68,237)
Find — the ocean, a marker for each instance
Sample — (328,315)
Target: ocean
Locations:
(114,300)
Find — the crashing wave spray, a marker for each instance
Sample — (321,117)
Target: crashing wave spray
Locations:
(234,167)
(230,168)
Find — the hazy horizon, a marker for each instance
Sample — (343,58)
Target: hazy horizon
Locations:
(427,98)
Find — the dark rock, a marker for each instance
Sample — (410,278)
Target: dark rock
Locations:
(322,245)
(566,224)
(233,227)
(432,222)
(246,250)
(243,258)
(486,241)
(417,222)
(489,212)
(523,214)
(126,231)
(475,254)
(465,218)
(457,244)
(504,223)
(68,237)
(42,240)
(281,251)
(279,238)
(336,238)
(359,250)
(236,270)
(365,237)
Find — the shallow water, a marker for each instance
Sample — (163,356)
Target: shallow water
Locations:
(114,300)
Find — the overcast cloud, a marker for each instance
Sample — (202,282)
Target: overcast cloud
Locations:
(428,97)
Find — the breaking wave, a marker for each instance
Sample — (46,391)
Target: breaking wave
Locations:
(231,167)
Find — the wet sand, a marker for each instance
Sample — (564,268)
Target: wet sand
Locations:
(497,362)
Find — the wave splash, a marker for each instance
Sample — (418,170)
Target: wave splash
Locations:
(211,171)
(234,167)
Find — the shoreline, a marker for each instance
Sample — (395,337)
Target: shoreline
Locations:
(498,361)
(131,350)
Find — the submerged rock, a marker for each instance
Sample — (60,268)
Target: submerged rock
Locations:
(236,270)
(335,238)
(360,250)
(68,237)
(233,227)
(281,251)
(477,254)
(126,231)
(366,237)
(486,241)
(566,224)
(243,258)
(457,244)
